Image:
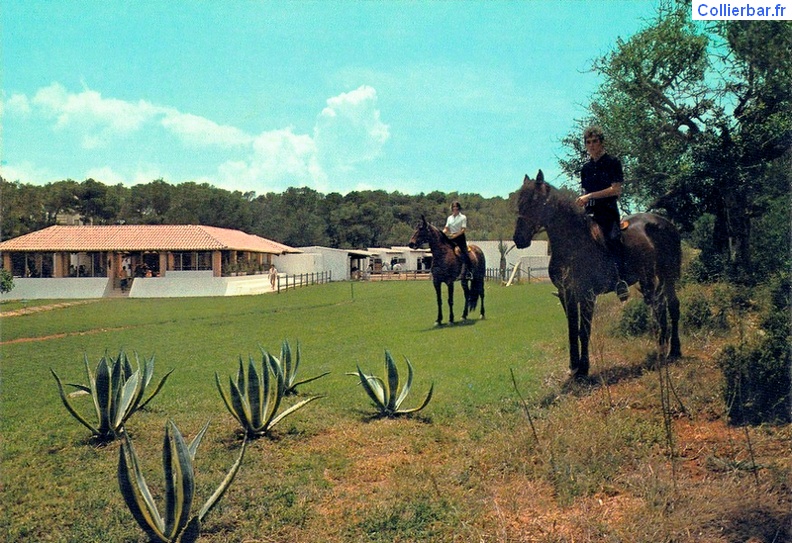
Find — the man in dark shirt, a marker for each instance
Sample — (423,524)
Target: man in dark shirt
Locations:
(601,179)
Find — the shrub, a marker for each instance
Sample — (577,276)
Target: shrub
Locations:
(6,280)
(635,319)
(758,377)
(254,399)
(116,390)
(386,395)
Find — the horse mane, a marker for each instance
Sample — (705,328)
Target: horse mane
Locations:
(439,234)
(562,202)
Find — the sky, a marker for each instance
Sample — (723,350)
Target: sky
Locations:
(408,96)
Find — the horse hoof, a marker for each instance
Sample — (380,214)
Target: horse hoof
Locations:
(438,323)
(577,374)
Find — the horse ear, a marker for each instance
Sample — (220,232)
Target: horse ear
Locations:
(539,177)
(526,179)
(423,218)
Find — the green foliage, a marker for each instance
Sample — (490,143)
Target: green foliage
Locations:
(290,368)
(758,376)
(705,308)
(255,397)
(116,390)
(177,462)
(6,280)
(385,394)
(635,319)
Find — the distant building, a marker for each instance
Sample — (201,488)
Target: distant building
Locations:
(96,261)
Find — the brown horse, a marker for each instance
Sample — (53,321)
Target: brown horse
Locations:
(582,268)
(447,268)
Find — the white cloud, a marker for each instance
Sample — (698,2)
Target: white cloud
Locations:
(106,175)
(196,130)
(349,129)
(17,104)
(98,118)
(347,132)
(25,172)
(279,159)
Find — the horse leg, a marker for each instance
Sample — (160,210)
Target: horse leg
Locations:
(451,302)
(466,294)
(438,291)
(654,298)
(572,315)
(673,312)
(586,316)
(480,286)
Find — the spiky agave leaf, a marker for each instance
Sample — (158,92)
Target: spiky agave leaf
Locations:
(179,480)
(71,409)
(406,390)
(137,495)
(290,365)
(221,490)
(375,388)
(148,374)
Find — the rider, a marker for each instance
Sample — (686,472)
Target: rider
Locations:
(454,229)
(601,179)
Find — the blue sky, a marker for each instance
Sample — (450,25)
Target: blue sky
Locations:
(335,95)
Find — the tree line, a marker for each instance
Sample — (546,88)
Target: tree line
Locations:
(297,217)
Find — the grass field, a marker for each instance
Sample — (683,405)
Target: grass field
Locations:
(467,468)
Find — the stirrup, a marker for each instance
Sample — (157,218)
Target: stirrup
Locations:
(622,290)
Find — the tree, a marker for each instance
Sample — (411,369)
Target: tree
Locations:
(699,114)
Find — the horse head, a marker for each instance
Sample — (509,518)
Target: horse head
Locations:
(531,202)
(421,234)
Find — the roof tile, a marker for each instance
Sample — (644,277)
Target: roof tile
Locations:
(130,237)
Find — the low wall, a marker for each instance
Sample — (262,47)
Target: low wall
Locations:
(31,288)
(198,283)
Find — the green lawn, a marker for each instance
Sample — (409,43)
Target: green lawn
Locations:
(330,473)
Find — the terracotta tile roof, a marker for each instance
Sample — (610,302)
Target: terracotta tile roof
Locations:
(129,237)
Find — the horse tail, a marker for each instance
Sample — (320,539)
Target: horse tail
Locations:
(477,283)
(476,290)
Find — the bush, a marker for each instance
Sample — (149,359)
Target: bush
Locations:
(635,319)
(758,378)
(705,308)
(6,280)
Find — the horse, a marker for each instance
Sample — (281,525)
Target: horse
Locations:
(581,266)
(447,268)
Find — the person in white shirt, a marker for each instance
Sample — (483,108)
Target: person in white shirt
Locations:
(454,229)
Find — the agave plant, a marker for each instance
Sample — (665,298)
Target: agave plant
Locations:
(290,369)
(255,397)
(117,392)
(385,394)
(177,459)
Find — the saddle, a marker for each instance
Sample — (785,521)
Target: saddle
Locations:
(599,236)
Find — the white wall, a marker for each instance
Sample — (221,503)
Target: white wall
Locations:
(57,288)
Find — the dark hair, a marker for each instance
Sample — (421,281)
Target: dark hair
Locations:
(456,203)
(595,131)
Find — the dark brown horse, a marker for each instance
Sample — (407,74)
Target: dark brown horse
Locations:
(582,268)
(447,268)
